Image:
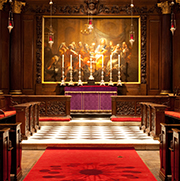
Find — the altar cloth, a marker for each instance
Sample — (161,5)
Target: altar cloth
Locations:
(91,98)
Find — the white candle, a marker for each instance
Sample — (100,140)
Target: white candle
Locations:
(62,61)
(79,61)
(110,62)
(102,61)
(118,60)
(71,61)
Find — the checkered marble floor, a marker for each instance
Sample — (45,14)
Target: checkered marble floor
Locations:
(90,134)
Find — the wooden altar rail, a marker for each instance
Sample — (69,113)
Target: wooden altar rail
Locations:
(50,105)
(129,105)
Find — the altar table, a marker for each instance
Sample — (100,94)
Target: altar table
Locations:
(91,98)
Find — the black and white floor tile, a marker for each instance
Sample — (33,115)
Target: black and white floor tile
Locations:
(90,134)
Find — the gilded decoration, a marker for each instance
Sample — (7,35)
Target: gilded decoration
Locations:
(17,6)
(91,7)
(1,4)
(109,37)
(165,6)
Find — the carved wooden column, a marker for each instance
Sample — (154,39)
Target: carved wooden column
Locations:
(15,57)
(166,64)
(15,51)
(1,8)
(1,92)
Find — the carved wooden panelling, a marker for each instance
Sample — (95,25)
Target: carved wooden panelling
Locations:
(28,59)
(138,109)
(42,109)
(27,119)
(38,48)
(153,118)
(55,108)
(125,108)
(154,54)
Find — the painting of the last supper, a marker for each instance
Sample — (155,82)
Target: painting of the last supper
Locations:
(90,48)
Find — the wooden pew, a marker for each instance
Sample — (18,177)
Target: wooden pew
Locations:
(175,155)
(5,154)
(144,115)
(16,154)
(172,121)
(27,113)
(35,116)
(165,156)
(151,116)
(23,115)
(157,117)
(6,108)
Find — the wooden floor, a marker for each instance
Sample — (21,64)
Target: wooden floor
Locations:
(150,158)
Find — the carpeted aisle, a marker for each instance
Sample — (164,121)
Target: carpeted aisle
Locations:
(122,164)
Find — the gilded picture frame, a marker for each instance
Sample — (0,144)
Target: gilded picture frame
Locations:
(72,33)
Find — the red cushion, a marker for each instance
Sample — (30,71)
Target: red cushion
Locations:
(7,113)
(173,113)
(53,119)
(126,119)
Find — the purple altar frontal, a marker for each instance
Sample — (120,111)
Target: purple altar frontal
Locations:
(91,98)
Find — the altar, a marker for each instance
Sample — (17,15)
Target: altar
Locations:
(91,98)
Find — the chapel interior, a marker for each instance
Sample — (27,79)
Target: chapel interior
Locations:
(90,74)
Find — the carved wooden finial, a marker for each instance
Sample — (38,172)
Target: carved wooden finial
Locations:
(92,7)
(165,6)
(1,4)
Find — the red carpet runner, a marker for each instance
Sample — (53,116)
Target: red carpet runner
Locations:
(90,165)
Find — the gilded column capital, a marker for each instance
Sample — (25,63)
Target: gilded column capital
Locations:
(1,4)
(165,6)
(17,6)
